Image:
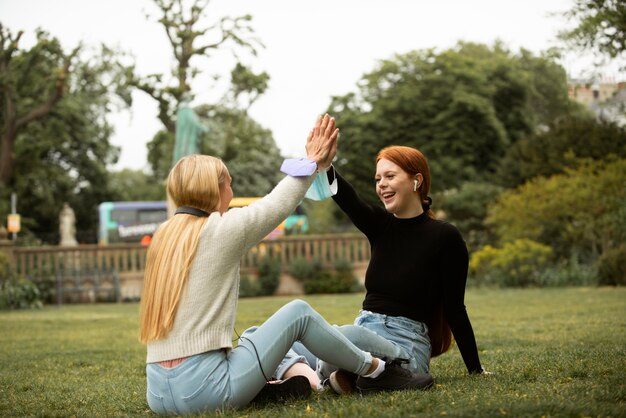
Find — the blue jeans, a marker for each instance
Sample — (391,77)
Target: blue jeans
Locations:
(228,378)
(391,337)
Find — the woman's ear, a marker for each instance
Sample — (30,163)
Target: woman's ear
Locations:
(418,181)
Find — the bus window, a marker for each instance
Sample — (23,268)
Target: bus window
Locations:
(129,221)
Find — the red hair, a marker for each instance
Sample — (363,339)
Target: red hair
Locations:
(412,161)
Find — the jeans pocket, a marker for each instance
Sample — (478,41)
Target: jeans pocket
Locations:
(205,382)
(403,332)
(155,402)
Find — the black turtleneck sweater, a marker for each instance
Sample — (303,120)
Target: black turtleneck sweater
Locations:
(415,263)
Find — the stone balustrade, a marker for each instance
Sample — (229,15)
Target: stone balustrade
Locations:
(128,260)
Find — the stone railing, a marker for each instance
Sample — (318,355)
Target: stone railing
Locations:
(129,260)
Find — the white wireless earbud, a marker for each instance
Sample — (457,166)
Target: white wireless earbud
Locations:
(415,185)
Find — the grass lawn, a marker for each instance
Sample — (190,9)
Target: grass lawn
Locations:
(555,352)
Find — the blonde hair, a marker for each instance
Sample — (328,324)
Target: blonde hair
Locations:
(194,181)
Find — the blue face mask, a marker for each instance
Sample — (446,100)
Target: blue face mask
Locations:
(321,189)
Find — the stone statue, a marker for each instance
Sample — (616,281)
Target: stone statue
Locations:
(67,226)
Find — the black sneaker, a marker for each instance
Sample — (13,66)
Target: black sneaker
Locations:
(341,382)
(295,387)
(394,377)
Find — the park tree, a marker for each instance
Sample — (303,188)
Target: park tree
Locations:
(553,150)
(55,136)
(191,39)
(600,25)
(16,114)
(248,149)
(463,107)
(580,213)
(466,207)
(134,185)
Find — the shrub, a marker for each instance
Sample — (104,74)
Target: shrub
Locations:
(611,267)
(303,269)
(517,264)
(19,293)
(339,280)
(269,276)
(249,287)
(345,278)
(16,292)
(570,273)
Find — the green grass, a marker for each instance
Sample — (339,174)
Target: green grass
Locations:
(555,352)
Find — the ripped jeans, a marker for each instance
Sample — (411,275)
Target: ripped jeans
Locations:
(390,337)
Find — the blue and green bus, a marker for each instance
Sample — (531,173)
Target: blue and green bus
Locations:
(129,221)
(132,222)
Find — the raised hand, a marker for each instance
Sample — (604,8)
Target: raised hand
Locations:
(321,144)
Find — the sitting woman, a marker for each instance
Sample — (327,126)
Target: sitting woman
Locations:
(415,280)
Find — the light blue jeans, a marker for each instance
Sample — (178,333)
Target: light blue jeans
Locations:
(385,336)
(221,379)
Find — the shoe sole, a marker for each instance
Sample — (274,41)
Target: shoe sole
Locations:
(342,382)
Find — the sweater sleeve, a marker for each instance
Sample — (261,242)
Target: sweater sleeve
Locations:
(454,266)
(363,215)
(263,216)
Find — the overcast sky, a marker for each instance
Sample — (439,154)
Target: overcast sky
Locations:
(313,49)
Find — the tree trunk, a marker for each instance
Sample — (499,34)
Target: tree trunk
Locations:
(6,157)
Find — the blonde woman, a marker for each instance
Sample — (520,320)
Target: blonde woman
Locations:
(191,287)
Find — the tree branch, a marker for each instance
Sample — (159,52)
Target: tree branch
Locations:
(59,89)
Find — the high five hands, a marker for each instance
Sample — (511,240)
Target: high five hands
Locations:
(321,144)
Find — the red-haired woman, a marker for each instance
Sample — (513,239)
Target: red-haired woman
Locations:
(415,281)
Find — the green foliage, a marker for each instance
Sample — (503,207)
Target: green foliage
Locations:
(7,271)
(559,147)
(303,269)
(269,276)
(246,83)
(248,287)
(466,207)
(248,150)
(317,279)
(567,273)
(191,39)
(324,217)
(19,293)
(581,212)
(462,107)
(61,156)
(600,25)
(160,152)
(135,185)
(612,267)
(548,349)
(345,279)
(517,264)
(16,292)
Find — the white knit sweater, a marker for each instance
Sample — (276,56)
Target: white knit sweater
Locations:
(206,313)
